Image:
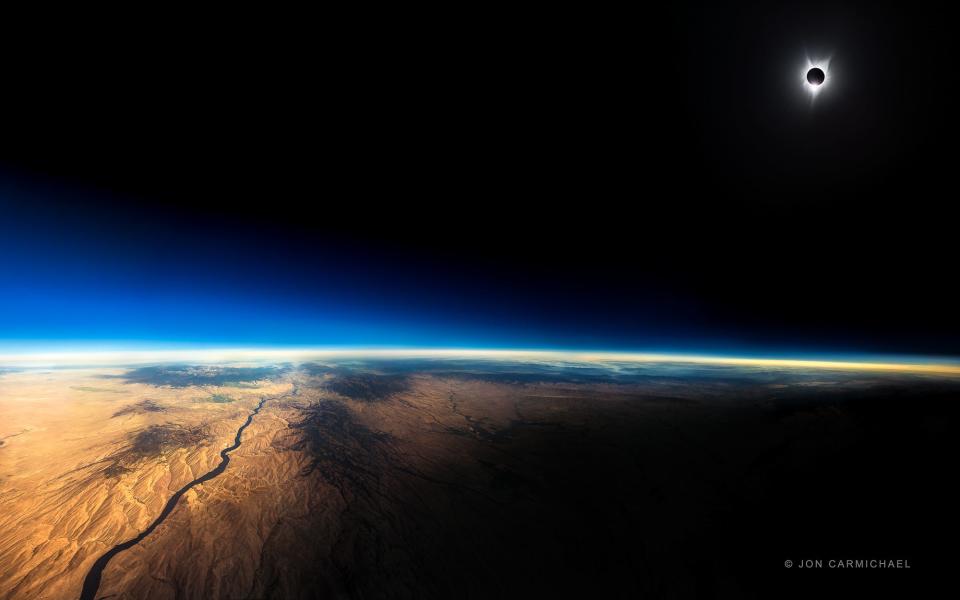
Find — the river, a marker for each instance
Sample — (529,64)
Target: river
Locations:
(92,582)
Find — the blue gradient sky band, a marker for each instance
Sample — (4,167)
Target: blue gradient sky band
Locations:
(86,278)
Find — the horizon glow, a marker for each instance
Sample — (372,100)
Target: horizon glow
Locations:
(233,355)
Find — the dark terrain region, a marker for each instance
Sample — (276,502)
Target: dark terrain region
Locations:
(366,381)
(142,407)
(367,387)
(666,490)
(342,451)
(151,442)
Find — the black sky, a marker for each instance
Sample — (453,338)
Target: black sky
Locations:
(610,174)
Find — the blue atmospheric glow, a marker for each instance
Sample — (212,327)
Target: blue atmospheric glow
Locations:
(73,276)
(71,279)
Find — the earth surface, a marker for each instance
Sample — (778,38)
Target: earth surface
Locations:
(469,477)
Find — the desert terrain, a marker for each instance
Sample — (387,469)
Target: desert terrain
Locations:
(396,480)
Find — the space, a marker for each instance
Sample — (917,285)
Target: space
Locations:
(701,225)
(540,186)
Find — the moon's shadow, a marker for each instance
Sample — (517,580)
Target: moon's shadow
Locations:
(815,76)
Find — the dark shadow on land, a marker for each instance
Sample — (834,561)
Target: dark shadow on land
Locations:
(635,492)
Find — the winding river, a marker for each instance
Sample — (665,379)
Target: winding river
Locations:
(92,582)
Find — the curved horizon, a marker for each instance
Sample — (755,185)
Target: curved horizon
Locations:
(118,356)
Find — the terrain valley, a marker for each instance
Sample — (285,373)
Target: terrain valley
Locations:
(464,478)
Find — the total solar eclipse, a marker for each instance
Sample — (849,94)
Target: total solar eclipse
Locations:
(815,76)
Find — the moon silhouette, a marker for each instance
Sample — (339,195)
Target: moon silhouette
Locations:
(815,76)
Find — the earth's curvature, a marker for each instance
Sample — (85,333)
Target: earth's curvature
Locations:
(461,475)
